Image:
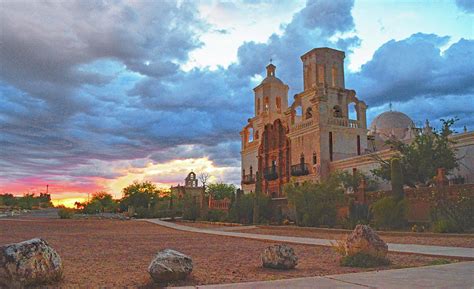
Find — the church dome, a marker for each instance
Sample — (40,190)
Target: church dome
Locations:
(270,79)
(392,124)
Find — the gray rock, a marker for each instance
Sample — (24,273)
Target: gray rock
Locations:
(170,265)
(279,257)
(365,240)
(28,263)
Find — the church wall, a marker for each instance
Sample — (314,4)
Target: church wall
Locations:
(465,152)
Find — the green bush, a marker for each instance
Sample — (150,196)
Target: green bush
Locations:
(66,213)
(190,208)
(453,213)
(364,261)
(315,203)
(445,226)
(389,213)
(358,214)
(216,216)
(242,211)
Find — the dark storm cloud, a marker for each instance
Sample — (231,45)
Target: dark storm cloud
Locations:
(425,83)
(45,113)
(412,67)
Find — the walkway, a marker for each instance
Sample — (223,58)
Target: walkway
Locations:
(402,248)
(458,275)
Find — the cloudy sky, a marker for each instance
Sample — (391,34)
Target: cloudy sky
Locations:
(96,94)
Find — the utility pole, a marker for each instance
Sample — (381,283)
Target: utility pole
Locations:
(47,189)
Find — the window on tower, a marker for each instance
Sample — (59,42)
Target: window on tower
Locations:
(337,111)
(334,76)
(321,74)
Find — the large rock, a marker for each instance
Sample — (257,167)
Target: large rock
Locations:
(279,257)
(365,240)
(28,263)
(170,265)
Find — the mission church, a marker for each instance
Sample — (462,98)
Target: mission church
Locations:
(318,134)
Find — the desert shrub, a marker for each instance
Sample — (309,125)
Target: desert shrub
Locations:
(358,214)
(445,226)
(245,207)
(190,207)
(363,260)
(453,213)
(389,213)
(315,203)
(66,213)
(216,216)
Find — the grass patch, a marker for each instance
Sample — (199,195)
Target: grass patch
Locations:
(363,260)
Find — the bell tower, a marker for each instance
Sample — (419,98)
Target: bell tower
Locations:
(271,96)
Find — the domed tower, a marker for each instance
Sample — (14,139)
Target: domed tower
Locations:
(271,96)
(391,125)
(271,103)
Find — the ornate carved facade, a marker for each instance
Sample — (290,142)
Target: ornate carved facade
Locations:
(300,141)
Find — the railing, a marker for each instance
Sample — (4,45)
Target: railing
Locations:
(248,179)
(299,170)
(302,124)
(343,122)
(219,204)
(270,173)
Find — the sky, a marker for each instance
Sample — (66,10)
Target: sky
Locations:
(97,94)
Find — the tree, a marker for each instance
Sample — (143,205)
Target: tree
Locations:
(220,191)
(140,195)
(101,202)
(420,159)
(204,177)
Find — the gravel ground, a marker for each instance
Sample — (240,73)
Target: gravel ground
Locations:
(420,239)
(113,253)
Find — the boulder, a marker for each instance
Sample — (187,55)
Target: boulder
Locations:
(279,257)
(170,265)
(365,240)
(28,263)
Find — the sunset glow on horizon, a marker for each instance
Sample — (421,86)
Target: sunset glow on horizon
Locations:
(163,175)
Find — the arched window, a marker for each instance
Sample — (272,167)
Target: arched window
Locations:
(250,134)
(337,111)
(266,104)
(251,170)
(298,111)
(315,158)
(352,111)
(278,104)
(309,113)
